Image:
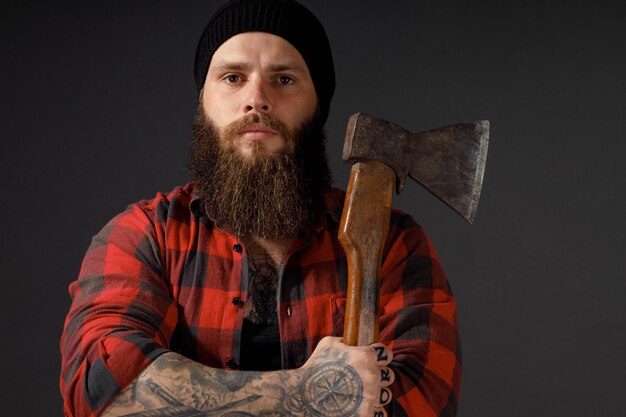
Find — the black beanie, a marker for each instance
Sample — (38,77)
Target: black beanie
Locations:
(285,18)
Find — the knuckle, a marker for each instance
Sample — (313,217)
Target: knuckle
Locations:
(385,396)
(387,376)
(383,353)
(380,412)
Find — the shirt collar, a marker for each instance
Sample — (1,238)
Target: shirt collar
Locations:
(196,206)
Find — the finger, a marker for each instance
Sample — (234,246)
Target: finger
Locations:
(385,396)
(330,340)
(383,354)
(386,377)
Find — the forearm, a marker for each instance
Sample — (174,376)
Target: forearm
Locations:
(174,385)
(337,380)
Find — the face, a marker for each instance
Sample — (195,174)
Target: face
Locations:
(256,76)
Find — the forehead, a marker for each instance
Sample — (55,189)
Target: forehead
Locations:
(258,48)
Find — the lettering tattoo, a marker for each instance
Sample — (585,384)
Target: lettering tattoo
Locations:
(385,396)
(176,386)
(385,375)
(381,356)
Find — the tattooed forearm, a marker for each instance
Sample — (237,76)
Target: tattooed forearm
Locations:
(176,386)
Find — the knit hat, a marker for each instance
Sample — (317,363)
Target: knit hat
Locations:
(285,18)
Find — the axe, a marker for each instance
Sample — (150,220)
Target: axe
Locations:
(449,162)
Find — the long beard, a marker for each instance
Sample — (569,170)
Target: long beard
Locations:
(269,196)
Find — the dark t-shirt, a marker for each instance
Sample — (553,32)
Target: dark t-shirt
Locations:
(260,347)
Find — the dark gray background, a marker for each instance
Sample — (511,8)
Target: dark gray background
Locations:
(97,101)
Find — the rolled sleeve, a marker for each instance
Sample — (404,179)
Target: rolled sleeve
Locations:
(122,315)
(418,321)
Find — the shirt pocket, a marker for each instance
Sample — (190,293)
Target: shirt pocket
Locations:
(338,306)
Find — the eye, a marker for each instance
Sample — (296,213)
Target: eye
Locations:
(285,80)
(232,78)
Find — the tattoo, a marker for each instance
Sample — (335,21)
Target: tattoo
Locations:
(235,381)
(180,411)
(176,386)
(261,305)
(380,354)
(385,396)
(385,375)
(332,389)
(161,393)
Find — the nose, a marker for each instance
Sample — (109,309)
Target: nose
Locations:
(256,98)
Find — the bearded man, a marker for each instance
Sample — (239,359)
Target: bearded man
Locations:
(226,296)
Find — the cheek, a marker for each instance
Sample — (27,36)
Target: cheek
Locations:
(216,107)
(301,110)
(311,105)
(216,114)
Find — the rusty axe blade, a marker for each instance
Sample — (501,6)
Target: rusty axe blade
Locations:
(448,161)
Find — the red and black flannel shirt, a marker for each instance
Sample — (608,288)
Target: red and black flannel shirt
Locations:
(160,277)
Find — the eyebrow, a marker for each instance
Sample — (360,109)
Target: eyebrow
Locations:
(286,67)
(229,66)
(242,66)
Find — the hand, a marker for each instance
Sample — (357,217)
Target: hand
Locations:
(342,380)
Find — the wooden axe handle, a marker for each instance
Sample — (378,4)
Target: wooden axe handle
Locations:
(362,233)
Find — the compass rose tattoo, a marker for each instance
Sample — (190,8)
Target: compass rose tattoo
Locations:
(332,389)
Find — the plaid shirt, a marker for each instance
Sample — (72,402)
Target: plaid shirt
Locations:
(160,277)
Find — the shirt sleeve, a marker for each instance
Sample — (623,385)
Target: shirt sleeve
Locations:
(122,316)
(418,322)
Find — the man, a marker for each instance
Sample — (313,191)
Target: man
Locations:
(242,268)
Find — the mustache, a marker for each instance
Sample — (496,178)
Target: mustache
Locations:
(231,130)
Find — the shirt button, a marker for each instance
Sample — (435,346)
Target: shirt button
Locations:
(288,311)
(231,364)
(236,301)
(237,247)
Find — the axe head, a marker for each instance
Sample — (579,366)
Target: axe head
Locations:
(448,161)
